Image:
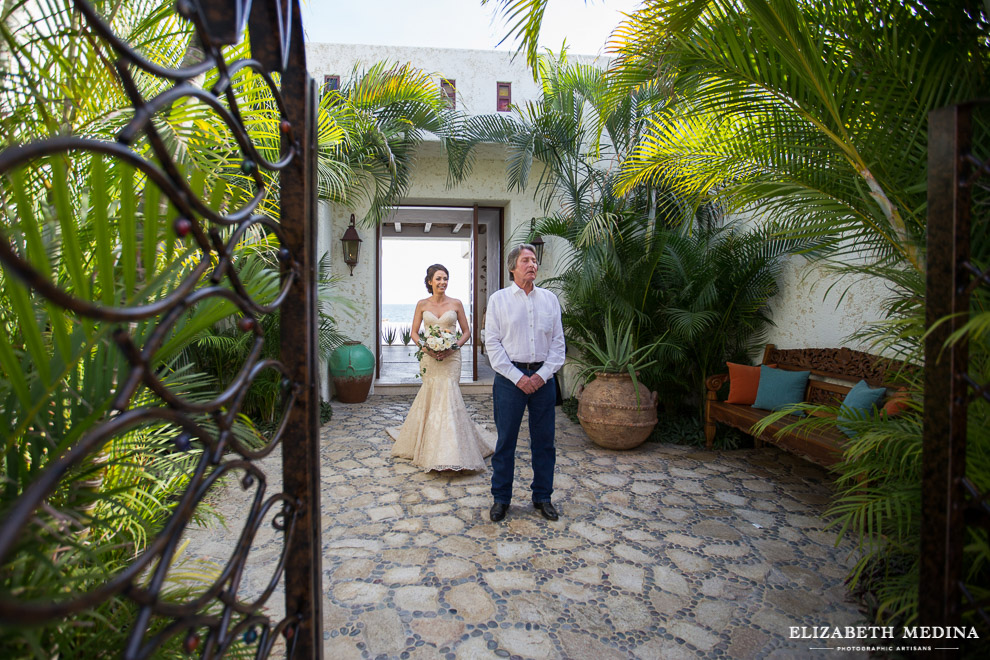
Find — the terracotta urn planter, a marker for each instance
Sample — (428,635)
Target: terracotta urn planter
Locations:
(609,414)
(352,367)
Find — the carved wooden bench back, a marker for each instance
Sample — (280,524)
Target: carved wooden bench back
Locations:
(843,364)
(839,363)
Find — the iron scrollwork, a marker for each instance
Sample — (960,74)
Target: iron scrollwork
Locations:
(184,257)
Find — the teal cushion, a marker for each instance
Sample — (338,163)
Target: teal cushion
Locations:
(859,403)
(779,389)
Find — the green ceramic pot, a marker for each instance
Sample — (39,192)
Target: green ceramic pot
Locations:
(352,368)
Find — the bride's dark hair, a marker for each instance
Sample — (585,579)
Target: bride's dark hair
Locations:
(431,271)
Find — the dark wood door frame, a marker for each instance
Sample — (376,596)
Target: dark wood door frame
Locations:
(378,302)
(476,325)
(476,308)
(501,246)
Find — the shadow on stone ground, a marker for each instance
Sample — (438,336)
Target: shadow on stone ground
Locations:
(661,552)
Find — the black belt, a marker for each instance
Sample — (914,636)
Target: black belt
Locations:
(528,365)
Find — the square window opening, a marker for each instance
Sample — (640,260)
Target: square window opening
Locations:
(448,90)
(504,96)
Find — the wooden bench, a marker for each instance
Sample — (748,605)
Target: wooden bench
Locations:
(821,445)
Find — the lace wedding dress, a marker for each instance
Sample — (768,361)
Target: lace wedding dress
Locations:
(438,433)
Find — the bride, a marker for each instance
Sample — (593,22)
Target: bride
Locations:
(438,433)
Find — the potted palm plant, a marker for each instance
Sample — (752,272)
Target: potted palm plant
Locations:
(615,409)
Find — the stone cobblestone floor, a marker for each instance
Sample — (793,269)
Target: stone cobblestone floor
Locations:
(661,552)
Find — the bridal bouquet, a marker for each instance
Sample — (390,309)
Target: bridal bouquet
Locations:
(437,340)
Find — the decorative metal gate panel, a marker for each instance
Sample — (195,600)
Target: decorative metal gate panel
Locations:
(188,207)
(951,500)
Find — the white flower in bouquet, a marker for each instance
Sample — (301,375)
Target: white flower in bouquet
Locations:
(436,340)
(440,340)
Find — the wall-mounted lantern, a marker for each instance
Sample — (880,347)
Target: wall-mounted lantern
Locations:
(352,245)
(537,241)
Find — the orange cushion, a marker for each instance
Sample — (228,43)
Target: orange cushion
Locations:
(743,383)
(897,403)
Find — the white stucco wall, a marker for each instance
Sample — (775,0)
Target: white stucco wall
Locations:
(816,308)
(357,320)
(324,245)
(475,72)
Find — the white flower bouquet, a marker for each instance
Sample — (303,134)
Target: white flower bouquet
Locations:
(437,340)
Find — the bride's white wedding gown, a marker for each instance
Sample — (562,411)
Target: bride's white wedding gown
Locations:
(438,433)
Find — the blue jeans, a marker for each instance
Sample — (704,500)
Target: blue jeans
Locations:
(509,403)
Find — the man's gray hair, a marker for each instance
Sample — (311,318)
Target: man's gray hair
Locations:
(513,256)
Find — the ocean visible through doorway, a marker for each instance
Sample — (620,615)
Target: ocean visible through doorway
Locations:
(397,316)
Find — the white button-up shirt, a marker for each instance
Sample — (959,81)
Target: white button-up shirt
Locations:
(524,328)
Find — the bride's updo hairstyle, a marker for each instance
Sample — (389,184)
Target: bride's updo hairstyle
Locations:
(431,271)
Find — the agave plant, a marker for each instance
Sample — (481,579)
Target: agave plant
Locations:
(406,335)
(389,334)
(617,354)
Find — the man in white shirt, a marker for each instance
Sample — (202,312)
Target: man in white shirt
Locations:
(524,340)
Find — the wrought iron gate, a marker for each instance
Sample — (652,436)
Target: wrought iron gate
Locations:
(200,205)
(951,501)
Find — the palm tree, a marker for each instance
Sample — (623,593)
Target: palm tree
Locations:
(814,111)
(572,140)
(369,130)
(649,256)
(525,18)
(815,115)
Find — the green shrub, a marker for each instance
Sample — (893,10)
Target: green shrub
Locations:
(570,406)
(704,292)
(221,349)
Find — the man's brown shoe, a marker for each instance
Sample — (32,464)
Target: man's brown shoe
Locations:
(547,510)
